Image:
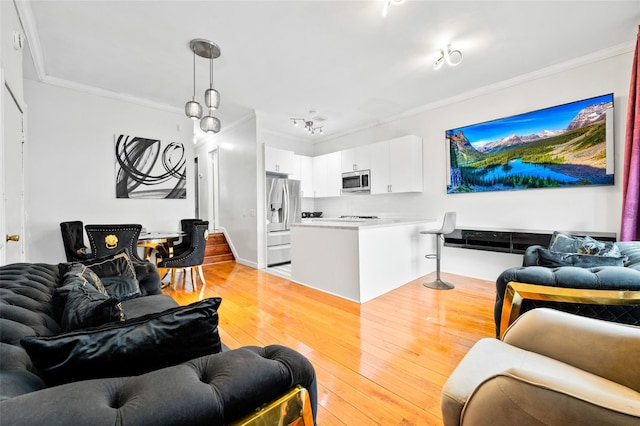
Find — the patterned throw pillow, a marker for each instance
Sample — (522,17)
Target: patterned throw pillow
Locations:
(565,243)
(117,274)
(552,259)
(83,301)
(86,276)
(86,307)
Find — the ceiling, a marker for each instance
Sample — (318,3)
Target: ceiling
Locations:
(342,59)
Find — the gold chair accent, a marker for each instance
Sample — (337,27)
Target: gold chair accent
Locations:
(517,292)
(292,409)
(111,241)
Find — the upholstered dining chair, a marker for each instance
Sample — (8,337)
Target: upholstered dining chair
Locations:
(186,225)
(192,258)
(73,241)
(106,240)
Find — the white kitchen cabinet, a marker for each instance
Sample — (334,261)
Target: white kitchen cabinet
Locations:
(278,160)
(396,165)
(354,159)
(304,173)
(327,175)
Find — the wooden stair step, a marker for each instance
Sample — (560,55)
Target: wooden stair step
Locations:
(218,258)
(217,249)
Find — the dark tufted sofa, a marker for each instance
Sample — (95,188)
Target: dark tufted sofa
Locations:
(213,389)
(625,277)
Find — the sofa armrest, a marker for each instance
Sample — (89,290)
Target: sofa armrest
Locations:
(215,389)
(516,293)
(612,348)
(530,257)
(604,277)
(527,397)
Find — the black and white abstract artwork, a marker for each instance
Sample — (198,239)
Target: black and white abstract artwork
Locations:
(149,168)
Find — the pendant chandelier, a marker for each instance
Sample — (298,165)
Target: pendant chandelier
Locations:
(208,123)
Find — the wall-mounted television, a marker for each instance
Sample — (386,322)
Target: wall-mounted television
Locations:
(567,145)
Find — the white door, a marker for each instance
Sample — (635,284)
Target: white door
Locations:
(12,247)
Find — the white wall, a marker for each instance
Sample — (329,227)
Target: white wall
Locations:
(573,209)
(238,191)
(70,168)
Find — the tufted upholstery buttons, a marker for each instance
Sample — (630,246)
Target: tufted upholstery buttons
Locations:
(214,389)
(605,277)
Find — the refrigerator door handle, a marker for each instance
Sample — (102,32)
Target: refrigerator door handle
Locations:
(285,205)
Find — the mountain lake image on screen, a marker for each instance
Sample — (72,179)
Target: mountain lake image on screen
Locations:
(567,145)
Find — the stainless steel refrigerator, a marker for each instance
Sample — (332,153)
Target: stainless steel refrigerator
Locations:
(283,209)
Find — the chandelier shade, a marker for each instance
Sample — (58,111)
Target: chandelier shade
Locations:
(193,109)
(209,50)
(210,124)
(212,98)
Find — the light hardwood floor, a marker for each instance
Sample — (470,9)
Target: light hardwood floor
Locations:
(383,362)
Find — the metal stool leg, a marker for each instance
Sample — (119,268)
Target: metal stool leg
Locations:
(438,284)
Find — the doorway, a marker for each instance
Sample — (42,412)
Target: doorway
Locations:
(213,193)
(12,246)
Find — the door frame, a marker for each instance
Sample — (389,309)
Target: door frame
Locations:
(22,202)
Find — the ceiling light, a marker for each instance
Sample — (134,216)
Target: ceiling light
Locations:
(208,123)
(451,57)
(308,125)
(388,3)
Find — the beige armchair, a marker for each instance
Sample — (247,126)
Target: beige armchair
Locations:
(551,368)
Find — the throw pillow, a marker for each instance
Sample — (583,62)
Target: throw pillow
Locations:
(118,265)
(128,348)
(553,259)
(84,274)
(566,243)
(76,274)
(86,307)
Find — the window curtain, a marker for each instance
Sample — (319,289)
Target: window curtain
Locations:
(630,229)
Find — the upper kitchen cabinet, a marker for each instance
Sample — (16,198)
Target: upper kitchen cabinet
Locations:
(279,160)
(396,165)
(355,159)
(327,177)
(304,173)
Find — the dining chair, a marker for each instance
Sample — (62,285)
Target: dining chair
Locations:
(73,241)
(190,259)
(106,240)
(186,226)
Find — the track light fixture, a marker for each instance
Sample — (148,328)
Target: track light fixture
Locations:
(308,125)
(208,123)
(451,57)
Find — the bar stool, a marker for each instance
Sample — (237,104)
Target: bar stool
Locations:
(448,225)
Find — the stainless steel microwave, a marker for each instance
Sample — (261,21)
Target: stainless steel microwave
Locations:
(358,181)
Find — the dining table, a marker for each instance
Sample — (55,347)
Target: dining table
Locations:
(153,241)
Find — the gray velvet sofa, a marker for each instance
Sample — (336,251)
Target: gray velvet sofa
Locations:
(542,267)
(115,373)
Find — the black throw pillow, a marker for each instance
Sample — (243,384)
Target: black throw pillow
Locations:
(87,310)
(116,273)
(86,307)
(128,348)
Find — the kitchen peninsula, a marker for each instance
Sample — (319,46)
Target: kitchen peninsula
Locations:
(359,259)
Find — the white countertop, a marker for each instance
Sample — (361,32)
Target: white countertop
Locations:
(338,223)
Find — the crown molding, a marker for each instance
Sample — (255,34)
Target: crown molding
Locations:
(202,138)
(28,22)
(594,57)
(25,14)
